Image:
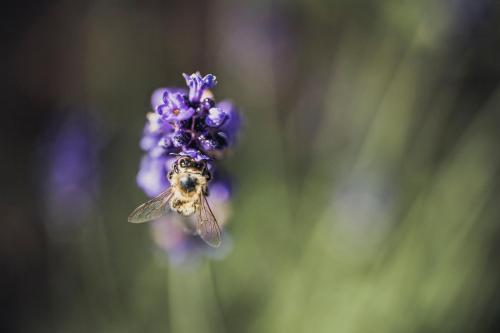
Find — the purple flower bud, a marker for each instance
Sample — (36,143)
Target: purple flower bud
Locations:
(208,103)
(209,81)
(166,142)
(180,138)
(215,117)
(215,141)
(153,130)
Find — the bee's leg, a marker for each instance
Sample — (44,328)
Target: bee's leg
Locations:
(207,174)
(205,191)
(170,174)
(176,169)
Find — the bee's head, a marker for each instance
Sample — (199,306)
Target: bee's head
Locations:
(188,164)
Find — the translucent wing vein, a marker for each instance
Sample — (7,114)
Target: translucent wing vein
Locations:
(152,209)
(207,226)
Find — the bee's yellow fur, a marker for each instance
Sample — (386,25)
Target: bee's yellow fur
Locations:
(188,181)
(184,202)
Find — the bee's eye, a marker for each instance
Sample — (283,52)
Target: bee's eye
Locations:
(182,162)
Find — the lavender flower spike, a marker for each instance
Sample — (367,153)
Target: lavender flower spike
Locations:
(185,125)
(187,122)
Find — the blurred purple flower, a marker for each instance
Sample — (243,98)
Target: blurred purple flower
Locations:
(220,191)
(152,176)
(181,246)
(469,16)
(71,164)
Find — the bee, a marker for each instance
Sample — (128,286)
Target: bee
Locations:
(187,195)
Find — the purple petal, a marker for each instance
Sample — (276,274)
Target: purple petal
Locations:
(197,84)
(209,81)
(179,114)
(215,117)
(157,97)
(195,154)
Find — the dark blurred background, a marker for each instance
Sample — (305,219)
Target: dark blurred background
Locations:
(365,179)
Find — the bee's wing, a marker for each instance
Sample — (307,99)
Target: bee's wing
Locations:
(206,225)
(152,209)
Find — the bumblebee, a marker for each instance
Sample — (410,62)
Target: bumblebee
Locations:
(187,195)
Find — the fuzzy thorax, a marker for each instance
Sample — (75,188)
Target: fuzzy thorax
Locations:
(187,189)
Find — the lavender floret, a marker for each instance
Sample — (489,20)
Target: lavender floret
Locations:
(198,84)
